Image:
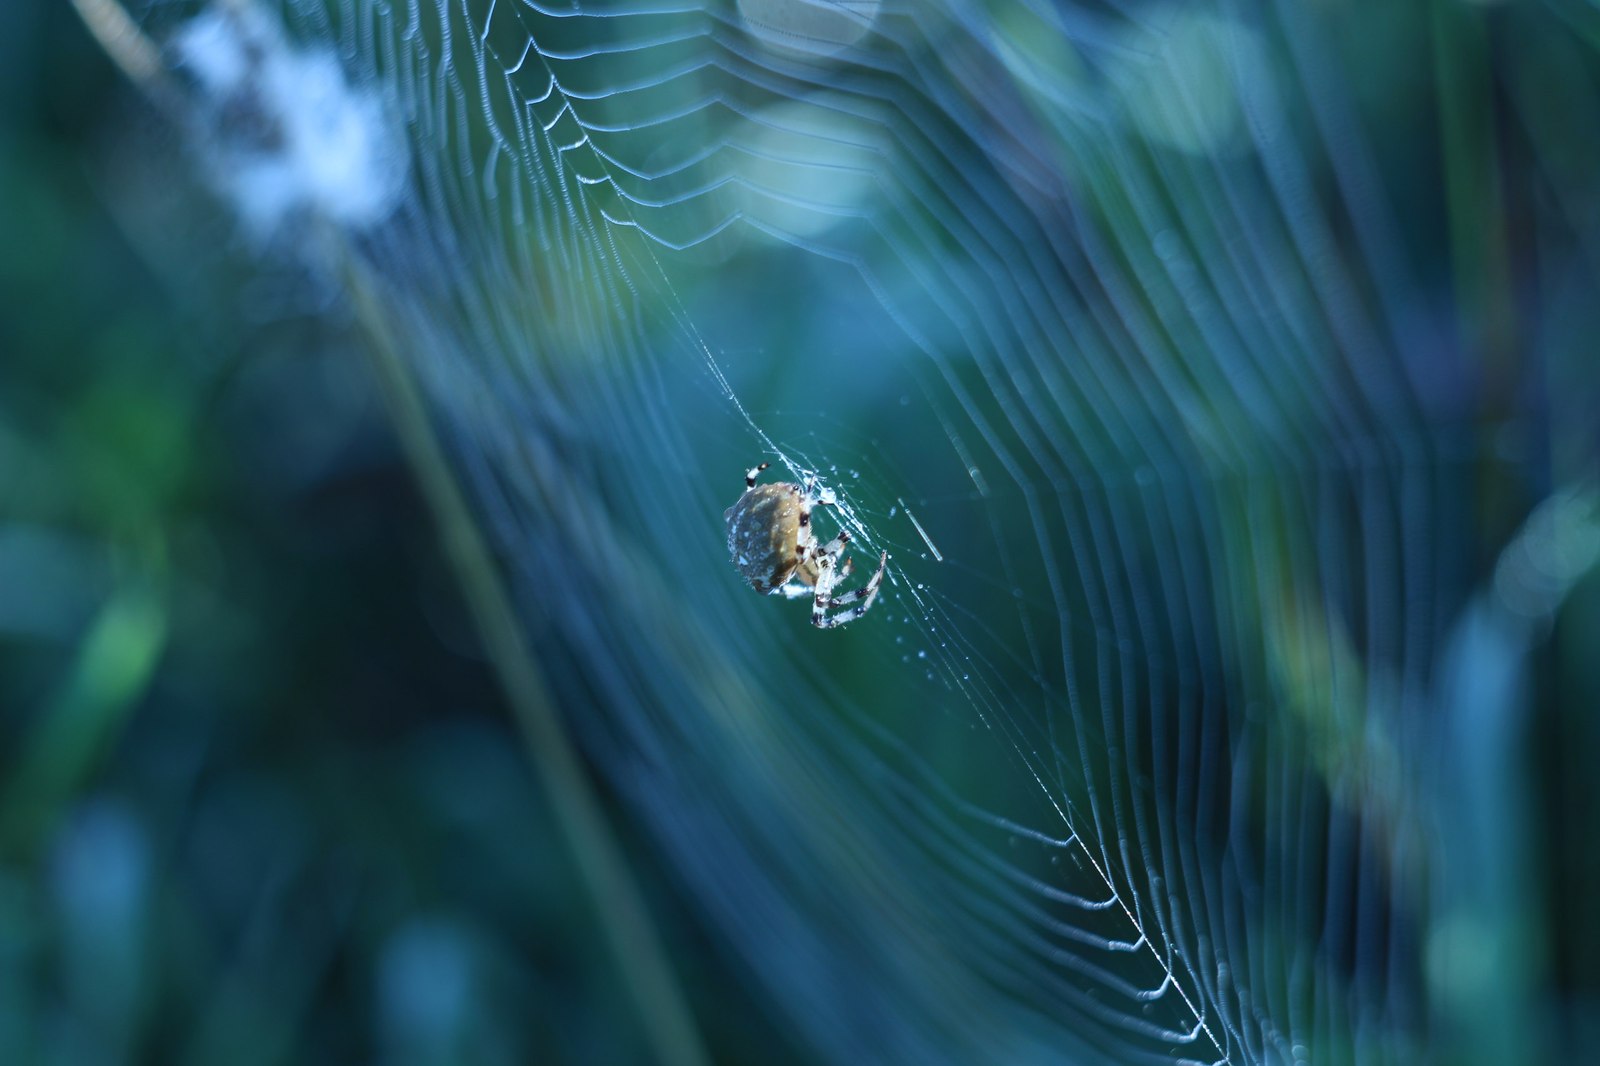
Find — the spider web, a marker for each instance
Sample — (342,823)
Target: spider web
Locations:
(1113,324)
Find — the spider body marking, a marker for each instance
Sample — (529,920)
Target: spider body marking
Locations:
(774,549)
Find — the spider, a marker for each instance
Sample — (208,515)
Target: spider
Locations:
(769,536)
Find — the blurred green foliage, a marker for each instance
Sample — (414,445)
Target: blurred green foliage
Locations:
(259,800)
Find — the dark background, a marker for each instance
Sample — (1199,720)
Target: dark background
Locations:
(261,798)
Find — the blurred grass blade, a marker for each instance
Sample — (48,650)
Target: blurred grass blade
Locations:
(113,669)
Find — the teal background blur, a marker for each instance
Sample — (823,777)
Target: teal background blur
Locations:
(259,798)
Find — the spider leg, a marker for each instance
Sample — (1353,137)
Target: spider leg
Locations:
(827,557)
(835,547)
(824,593)
(826,553)
(867,591)
(808,486)
(794,590)
(750,476)
(866,594)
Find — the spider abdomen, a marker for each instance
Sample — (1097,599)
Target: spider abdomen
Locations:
(764,534)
